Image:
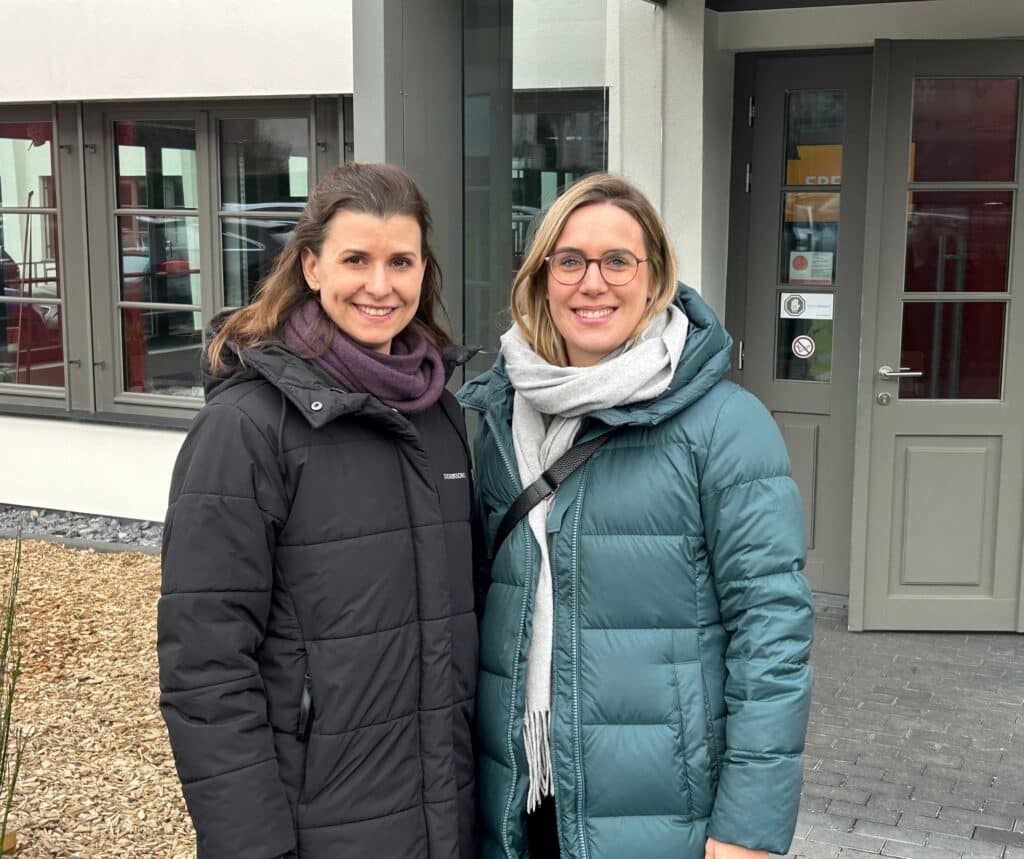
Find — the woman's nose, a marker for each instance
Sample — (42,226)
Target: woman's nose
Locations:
(593,280)
(377,283)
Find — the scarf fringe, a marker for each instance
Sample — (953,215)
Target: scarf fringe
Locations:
(538,756)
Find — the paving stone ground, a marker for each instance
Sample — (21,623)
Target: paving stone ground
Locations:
(915,746)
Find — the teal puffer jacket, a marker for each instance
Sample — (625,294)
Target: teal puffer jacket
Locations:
(682,630)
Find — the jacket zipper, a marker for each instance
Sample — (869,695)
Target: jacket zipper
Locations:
(305,722)
(519,643)
(576,663)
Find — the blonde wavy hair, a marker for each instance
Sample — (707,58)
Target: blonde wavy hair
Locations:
(529,300)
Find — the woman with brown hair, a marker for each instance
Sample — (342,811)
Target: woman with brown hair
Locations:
(317,638)
(644,684)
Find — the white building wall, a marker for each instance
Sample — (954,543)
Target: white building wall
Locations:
(558,44)
(89,468)
(635,75)
(683,150)
(57,50)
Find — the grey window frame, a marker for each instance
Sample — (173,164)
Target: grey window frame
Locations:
(89,274)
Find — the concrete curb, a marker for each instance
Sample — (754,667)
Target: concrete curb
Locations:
(81,542)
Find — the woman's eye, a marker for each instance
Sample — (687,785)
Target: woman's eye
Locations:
(616,261)
(355,260)
(401,262)
(570,262)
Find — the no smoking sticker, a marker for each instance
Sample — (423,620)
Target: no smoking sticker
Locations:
(803,346)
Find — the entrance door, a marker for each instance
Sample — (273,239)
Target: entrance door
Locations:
(942,385)
(802,283)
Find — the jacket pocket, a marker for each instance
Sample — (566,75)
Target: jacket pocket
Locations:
(304,727)
(714,746)
(684,763)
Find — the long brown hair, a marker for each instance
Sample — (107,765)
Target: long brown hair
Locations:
(381,190)
(529,301)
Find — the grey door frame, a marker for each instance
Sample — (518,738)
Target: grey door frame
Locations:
(880,142)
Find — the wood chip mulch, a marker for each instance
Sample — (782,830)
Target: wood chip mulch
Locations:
(98,778)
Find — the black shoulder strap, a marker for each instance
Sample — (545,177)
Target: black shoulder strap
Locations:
(545,485)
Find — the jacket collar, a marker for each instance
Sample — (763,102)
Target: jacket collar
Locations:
(318,397)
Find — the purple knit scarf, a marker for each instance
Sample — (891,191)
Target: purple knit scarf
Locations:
(410,379)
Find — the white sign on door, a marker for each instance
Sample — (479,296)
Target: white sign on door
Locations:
(811,267)
(806,305)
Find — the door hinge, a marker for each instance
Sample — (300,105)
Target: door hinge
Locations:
(739,356)
(746,181)
(751,112)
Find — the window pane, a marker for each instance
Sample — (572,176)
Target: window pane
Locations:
(810,238)
(249,247)
(814,137)
(264,163)
(964,129)
(958,241)
(161,351)
(557,136)
(957,345)
(28,251)
(156,164)
(31,345)
(26,164)
(159,259)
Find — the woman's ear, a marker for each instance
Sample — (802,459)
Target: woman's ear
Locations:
(309,269)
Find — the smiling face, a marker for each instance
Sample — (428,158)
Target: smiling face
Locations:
(368,275)
(593,317)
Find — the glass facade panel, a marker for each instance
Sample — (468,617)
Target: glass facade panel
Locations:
(814,137)
(557,137)
(964,129)
(155,164)
(161,351)
(26,165)
(958,241)
(249,247)
(264,163)
(810,238)
(159,259)
(958,347)
(31,344)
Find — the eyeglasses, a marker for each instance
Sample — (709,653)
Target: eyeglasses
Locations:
(617,267)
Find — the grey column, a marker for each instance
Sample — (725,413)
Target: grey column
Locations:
(407,100)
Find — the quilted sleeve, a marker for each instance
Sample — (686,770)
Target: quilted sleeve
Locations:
(753,522)
(217,567)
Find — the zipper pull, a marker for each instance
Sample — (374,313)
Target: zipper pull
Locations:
(305,724)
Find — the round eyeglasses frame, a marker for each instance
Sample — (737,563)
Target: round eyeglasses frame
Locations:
(611,281)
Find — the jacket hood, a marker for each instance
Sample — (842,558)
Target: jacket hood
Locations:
(704,362)
(298,379)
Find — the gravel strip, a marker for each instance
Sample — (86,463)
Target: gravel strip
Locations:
(98,778)
(81,530)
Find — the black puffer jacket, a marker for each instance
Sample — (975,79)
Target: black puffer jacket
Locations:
(317,639)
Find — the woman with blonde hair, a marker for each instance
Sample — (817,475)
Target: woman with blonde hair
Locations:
(316,626)
(644,686)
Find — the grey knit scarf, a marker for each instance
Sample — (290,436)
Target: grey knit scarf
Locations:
(549,403)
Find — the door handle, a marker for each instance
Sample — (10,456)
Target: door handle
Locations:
(887,372)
